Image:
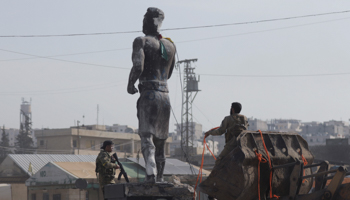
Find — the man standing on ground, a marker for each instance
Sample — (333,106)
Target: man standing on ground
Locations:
(232,126)
(153,60)
(105,165)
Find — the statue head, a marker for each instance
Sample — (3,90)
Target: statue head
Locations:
(152,21)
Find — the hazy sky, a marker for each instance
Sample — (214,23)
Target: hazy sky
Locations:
(62,92)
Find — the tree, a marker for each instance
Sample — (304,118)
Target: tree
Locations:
(24,141)
(4,144)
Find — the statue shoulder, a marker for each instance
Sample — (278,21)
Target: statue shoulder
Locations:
(139,42)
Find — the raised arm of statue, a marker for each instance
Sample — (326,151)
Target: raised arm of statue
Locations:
(138,58)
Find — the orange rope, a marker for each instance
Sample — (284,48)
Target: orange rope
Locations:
(305,163)
(261,160)
(268,156)
(201,168)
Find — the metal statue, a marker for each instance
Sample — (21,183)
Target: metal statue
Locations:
(153,60)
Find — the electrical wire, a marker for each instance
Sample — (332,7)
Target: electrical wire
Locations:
(209,38)
(63,92)
(71,54)
(262,31)
(63,89)
(185,41)
(83,63)
(180,28)
(203,114)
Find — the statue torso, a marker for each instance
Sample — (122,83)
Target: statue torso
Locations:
(156,68)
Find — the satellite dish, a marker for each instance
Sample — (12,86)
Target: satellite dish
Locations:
(81,183)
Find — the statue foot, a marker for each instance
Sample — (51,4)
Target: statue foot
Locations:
(160,179)
(150,179)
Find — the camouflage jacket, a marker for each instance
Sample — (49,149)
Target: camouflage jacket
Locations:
(232,125)
(105,168)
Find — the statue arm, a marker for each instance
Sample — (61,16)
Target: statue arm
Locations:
(171,68)
(138,58)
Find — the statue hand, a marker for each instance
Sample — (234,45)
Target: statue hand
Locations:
(132,89)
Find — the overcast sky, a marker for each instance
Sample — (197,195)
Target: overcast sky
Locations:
(63,92)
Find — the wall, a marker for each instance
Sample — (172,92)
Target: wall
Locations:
(5,191)
(68,194)
(18,191)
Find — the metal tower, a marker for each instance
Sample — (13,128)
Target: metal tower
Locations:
(190,90)
(26,116)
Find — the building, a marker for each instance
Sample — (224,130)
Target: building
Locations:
(121,128)
(87,140)
(319,139)
(56,177)
(15,169)
(257,124)
(330,127)
(195,128)
(284,125)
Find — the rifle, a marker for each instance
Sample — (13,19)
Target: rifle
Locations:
(122,171)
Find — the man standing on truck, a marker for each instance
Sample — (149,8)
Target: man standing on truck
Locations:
(232,126)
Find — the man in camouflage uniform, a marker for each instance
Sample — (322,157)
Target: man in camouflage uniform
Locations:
(105,165)
(232,126)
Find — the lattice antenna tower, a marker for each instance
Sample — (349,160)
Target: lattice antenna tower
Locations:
(190,90)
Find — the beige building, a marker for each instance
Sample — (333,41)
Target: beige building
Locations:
(87,140)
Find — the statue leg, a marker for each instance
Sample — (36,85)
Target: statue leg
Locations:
(160,157)
(148,150)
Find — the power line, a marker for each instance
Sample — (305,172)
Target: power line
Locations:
(186,41)
(71,54)
(262,31)
(83,63)
(63,92)
(202,39)
(276,76)
(180,28)
(62,89)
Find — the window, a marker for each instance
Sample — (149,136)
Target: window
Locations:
(33,197)
(56,197)
(46,196)
(41,142)
(74,143)
(90,144)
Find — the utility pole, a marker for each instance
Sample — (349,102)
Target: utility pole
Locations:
(190,86)
(78,137)
(97,115)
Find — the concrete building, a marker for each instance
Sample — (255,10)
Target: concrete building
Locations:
(196,128)
(320,138)
(284,125)
(330,127)
(87,140)
(121,128)
(257,124)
